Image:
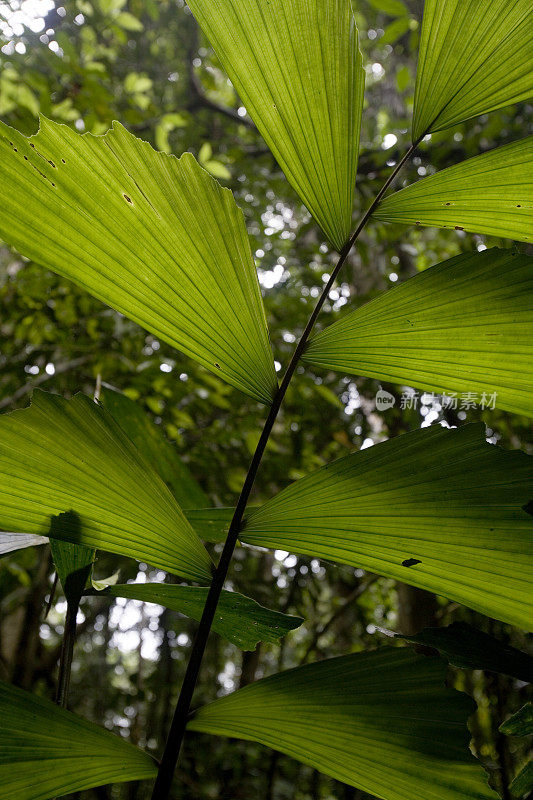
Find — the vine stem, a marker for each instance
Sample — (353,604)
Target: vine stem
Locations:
(67,650)
(174,741)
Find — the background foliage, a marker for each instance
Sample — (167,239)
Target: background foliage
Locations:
(145,63)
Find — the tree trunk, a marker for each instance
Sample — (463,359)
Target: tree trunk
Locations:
(417,609)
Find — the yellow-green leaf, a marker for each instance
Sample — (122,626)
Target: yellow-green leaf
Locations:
(474,57)
(465,325)
(153,236)
(436,508)
(298,71)
(45,751)
(70,455)
(128,21)
(152,444)
(491,193)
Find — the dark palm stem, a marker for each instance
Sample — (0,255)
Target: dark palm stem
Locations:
(179,723)
(67,650)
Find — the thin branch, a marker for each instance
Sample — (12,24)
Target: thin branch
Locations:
(201,99)
(339,611)
(174,741)
(67,650)
(50,657)
(198,95)
(28,387)
(51,596)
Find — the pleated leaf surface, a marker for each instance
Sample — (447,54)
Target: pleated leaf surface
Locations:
(465,325)
(436,508)
(474,57)
(45,751)
(153,236)
(490,193)
(298,71)
(211,524)
(70,455)
(241,620)
(151,442)
(381,721)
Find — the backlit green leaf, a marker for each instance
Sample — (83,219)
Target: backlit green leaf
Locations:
(380,721)
(491,193)
(242,621)
(465,325)
(436,508)
(211,524)
(45,751)
(70,455)
(150,441)
(298,71)
(474,57)
(151,235)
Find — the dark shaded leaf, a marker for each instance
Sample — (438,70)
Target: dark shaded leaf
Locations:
(521,723)
(242,621)
(380,721)
(466,647)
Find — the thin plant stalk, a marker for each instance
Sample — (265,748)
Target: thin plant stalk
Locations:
(174,741)
(65,659)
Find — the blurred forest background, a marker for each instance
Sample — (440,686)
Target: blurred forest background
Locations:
(145,63)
